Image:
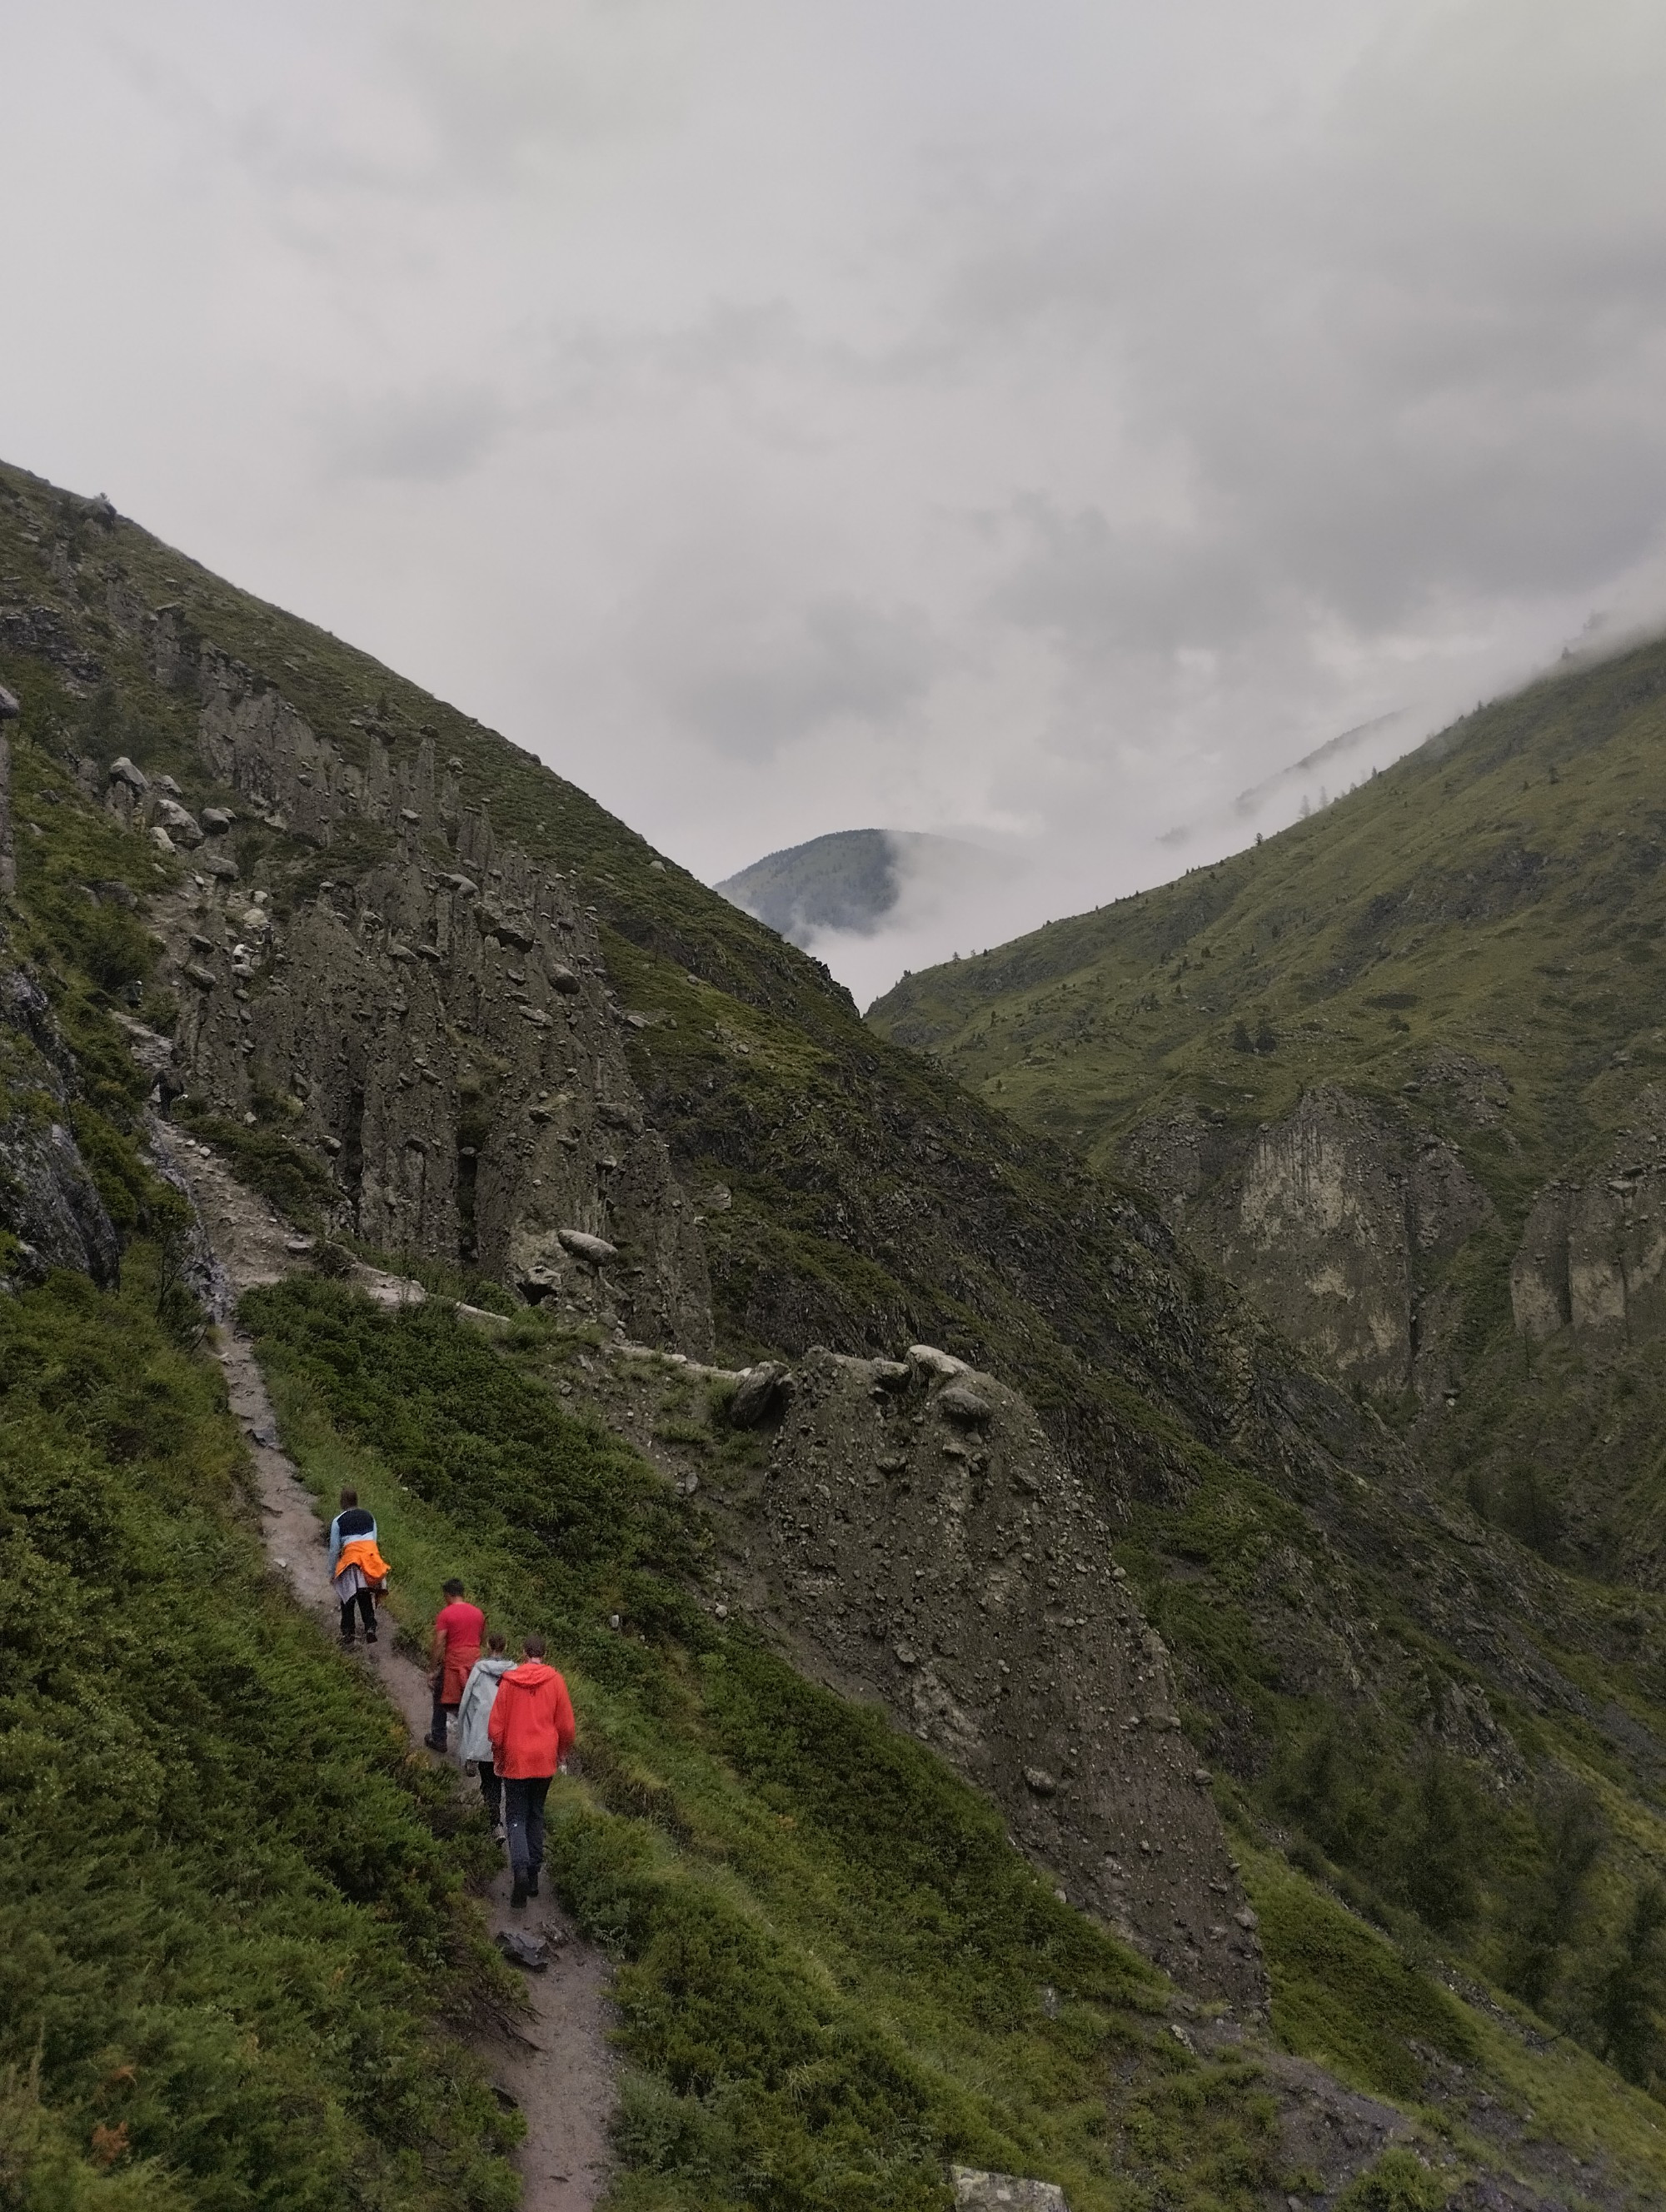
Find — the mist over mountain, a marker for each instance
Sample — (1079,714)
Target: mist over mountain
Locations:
(857,883)
(1154,1673)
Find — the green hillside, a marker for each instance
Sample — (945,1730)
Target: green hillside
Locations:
(1499,889)
(1469,945)
(1439,1748)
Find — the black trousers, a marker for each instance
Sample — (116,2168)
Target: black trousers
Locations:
(491,1789)
(367,1605)
(436,1732)
(523,1816)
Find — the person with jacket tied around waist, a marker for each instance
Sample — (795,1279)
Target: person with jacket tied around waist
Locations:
(357,1570)
(532,1730)
(457,1628)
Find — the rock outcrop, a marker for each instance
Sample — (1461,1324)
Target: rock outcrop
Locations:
(1593,1256)
(1335,1221)
(49,1207)
(919,1543)
(430,1016)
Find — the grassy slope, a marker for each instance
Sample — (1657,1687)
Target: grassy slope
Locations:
(836,1964)
(1498,891)
(230,1907)
(874,1201)
(837,1974)
(1499,894)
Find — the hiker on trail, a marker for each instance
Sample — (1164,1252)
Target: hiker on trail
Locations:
(457,1628)
(357,1570)
(474,1746)
(532,1731)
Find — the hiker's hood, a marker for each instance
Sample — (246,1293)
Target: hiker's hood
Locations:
(495,1662)
(528,1675)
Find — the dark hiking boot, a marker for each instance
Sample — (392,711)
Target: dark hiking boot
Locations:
(369,1635)
(518,1895)
(532,1883)
(434,1743)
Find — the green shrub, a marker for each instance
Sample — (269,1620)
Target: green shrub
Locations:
(1399,2182)
(831,1962)
(228,1922)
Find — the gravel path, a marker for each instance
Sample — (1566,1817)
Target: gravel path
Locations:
(556,2064)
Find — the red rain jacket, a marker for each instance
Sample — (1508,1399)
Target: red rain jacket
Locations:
(530,1725)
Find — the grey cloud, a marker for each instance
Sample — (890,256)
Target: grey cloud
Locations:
(424,436)
(1050,428)
(837,661)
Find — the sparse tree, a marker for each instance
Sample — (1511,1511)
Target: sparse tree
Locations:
(1630,1993)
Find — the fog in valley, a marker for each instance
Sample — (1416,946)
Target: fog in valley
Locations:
(1041,431)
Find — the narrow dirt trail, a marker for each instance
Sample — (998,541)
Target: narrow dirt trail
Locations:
(557,2063)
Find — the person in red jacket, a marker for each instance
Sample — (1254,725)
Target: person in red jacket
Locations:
(532,1731)
(457,1628)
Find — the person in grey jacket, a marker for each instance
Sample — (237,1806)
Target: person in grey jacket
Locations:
(474,1709)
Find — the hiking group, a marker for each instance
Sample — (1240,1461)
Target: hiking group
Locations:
(514,1719)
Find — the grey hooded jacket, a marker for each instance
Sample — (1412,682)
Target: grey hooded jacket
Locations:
(474,1709)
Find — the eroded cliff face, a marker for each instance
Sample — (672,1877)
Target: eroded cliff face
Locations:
(911,1537)
(51,1214)
(1593,1255)
(428,1007)
(1334,1220)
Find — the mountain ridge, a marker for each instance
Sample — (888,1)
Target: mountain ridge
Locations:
(1389,1699)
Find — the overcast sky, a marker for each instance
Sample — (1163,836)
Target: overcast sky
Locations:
(1038,424)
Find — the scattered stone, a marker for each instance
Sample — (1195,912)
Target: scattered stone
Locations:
(563,981)
(1039,1779)
(755,1394)
(217,820)
(161,841)
(975,2190)
(195,974)
(221,865)
(181,824)
(964,1406)
(927,1359)
(122,770)
(532,1952)
(596,1250)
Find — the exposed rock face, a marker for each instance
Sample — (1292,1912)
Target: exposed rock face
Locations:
(437,1014)
(48,1201)
(1330,1220)
(958,1573)
(1594,1253)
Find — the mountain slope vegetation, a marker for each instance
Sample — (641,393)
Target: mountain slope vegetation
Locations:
(1437,1749)
(1458,968)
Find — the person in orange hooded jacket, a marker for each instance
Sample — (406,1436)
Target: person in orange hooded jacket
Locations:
(532,1730)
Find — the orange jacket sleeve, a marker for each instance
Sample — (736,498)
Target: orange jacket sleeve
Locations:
(496,1721)
(567,1731)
